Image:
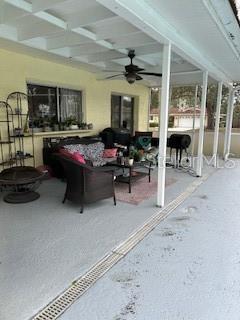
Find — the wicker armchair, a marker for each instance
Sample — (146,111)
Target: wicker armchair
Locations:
(86,184)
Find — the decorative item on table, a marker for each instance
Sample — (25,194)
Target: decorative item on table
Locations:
(90,126)
(119,157)
(135,154)
(130,161)
(141,155)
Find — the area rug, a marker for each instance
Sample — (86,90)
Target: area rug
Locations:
(141,190)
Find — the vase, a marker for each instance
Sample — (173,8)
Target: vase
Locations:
(130,162)
(74,127)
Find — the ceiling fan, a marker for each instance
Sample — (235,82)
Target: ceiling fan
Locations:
(132,72)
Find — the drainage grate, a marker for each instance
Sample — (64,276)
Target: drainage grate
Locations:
(61,303)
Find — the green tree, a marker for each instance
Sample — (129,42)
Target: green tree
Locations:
(154,98)
(188,93)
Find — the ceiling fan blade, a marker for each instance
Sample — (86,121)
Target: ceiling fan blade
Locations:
(138,77)
(110,70)
(116,75)
(151,74)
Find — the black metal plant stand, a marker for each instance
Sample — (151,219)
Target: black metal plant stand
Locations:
(19,115)
(15,175)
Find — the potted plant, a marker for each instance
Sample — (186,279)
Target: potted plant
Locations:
(54,123)
(83,126)
(37,125)
(71,123)
(90,126)
(135,154)
(47,124)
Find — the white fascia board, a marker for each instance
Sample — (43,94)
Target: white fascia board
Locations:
(141,15)
(225,19)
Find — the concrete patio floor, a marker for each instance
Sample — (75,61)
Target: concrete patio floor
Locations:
(187,268)
(45,245)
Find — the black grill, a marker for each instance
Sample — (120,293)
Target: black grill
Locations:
(179,142)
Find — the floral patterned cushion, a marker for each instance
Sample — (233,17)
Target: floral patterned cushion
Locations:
(92,152)
(72,148)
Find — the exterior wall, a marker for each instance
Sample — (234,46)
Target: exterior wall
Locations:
(16,69)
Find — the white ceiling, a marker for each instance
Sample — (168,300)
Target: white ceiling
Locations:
(97,36)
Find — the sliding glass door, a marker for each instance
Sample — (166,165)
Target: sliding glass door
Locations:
(122,111)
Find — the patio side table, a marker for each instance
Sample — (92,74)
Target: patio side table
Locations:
(23,180)
(130,177)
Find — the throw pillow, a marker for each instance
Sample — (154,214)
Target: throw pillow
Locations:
(110,153)
(78,157)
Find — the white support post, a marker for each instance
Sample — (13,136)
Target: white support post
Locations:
(202,125)
(228,130)
(227,125)
(217,122)
(194,120)
(149,109)
(163,124)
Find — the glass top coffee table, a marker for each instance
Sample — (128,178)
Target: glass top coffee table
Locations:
(23,180)
(131,173)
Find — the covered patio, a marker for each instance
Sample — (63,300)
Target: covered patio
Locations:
(46,247)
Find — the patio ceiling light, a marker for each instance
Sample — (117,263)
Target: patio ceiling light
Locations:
(131,77)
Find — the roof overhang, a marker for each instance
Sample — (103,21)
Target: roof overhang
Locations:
(96,35)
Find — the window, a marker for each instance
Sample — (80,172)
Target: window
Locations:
(122,112)
(42,101)
(70,102)
(53,105)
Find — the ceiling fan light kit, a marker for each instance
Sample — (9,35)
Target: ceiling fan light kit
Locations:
(131,78)
(132,72)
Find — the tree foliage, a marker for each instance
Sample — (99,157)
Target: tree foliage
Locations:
(188,94)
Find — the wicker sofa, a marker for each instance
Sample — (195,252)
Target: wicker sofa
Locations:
(85,183)
(52,146)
